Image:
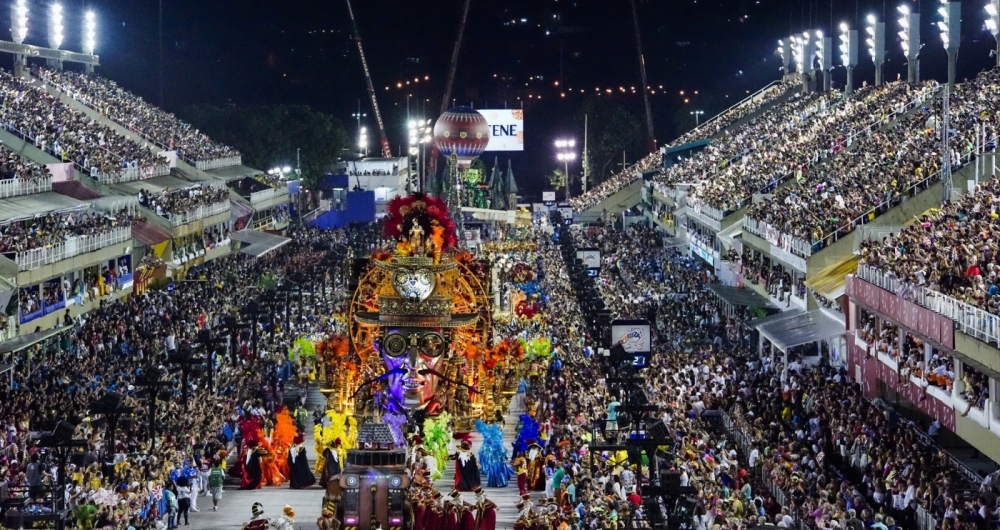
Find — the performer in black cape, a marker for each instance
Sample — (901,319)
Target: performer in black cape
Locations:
(331,463)
(252,472)
(298,465)
(466,468)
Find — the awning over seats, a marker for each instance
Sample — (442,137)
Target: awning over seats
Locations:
(740,297)
(801,328)
(830,282)
(257,243)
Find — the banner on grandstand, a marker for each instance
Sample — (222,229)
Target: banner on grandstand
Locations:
(633,335)
(506,129)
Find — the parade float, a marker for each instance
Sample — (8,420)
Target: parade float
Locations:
(418,355)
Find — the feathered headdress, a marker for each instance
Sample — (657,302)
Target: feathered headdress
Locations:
(431,213)
(528,433)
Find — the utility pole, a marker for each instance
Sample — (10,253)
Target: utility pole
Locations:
(161,54)
(650,141)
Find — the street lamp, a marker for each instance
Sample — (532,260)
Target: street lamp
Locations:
(910,35)
(697,116)
(848,53)
(951,34)
(993,24)
(565,153)
(876,45)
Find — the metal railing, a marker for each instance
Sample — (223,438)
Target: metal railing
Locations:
(268,194)
(201,212)
(216,163)
(24,186)
(33,259)
(132,174)
(972,320)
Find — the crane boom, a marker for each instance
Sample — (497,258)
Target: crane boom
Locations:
(386,151)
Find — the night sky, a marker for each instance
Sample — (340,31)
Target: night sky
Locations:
(294,51)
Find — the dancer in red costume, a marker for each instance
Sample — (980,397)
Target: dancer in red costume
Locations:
(452,511)
(468,519)
(486,511)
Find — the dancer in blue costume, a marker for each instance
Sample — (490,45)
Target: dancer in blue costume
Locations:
(493,455)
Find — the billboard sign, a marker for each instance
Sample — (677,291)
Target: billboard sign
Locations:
(591,257)
(634,336)
(549,198)
(506,129)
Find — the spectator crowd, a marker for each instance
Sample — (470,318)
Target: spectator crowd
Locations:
(53,228)
(172,202)
(135,114)
(30,111)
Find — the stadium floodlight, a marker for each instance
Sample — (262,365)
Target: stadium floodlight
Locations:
(993,24)
(951,34)
(565,153)
(785,51)
(876,45)
(824,54)
(89,33)
(910,36)
(849,53)
(55,26)
(19,21)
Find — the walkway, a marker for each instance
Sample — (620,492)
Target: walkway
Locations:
(234,508)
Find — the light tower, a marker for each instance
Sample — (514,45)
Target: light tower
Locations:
(849,53)
(18,31)
(809,55)
(785,51)
(824,54)
(55,33)
(876,45)
(89,37)
(951,34)
(993,24)
(799,57)
(910,35)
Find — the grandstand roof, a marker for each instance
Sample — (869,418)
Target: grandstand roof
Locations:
(155,184)
(740,297)
(28,206)
(257,243)
(233,172)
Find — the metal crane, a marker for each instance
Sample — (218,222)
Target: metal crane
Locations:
(386,151)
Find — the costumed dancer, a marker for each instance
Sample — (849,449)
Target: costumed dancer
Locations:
(434,514)
(466,468)
(486,511)
(493,455)
(437,435)
(283,438)
(328,520)
(286,521)
(452,511)
(467,519)
(251,464)
(521,468)
(258,522)
(300,476)
(272,476)
(331,463)
(536,467)
(525,519)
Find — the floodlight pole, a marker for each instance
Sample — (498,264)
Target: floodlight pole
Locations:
(945,148)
